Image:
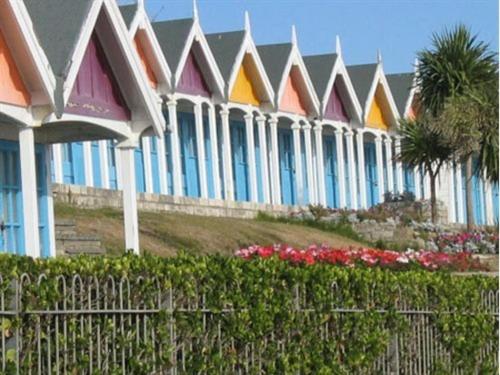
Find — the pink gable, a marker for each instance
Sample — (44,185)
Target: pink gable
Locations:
(192,81)
(96,92)
(291,101)
(335,109)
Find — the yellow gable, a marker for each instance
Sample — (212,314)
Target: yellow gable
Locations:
(376,118)
(243,90)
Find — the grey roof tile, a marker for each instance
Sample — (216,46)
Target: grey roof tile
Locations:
(362,79)
(225,47)
(58,24)
(401,85)
(128,12)
(172,37)
(274,57)
(320,68)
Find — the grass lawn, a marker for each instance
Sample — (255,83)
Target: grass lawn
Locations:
(166,233)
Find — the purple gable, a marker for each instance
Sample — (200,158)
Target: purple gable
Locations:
(96,92)
(192,81)
(335,109)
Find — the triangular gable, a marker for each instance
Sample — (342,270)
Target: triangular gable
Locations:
(192,81)
(243,89)
(96,92)
(144,61)
(12,87)
(377,117)
(335,109)
(291,100)
(414,109)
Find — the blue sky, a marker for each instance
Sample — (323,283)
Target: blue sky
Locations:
(398,27)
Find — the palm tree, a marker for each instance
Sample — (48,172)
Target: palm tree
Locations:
(421,146)
(449,76)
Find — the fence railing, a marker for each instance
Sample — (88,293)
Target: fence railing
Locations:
(106,326)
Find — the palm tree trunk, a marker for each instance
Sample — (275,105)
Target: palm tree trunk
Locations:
(468,193)
(434,215)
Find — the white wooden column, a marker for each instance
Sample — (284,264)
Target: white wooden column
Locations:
(200,146)
(275,178)
(460,197)
(226,155)
(320,165)
(488,202)
(452,215)
(417,178)
(131,220)
(361,168)
(427,186)
(309,163)
(261,124)
(29,192)
(87,163)
(146,156)
(58,163)
(390,171)
(399,166)
(340,166)
(50,204)
(103,159)
(118,168)
(162,163)
(298,163)
(214,148)
(175,151)
(254,196)
(380,168)
(351,161)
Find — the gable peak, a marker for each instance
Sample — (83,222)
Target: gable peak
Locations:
(338,47)
(247,22)
(294,36)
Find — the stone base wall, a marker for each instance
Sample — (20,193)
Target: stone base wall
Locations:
(89,197)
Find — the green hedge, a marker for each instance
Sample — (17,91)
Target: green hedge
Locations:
(256,304)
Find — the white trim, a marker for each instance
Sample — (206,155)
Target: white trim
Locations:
(162,163)
(118,168)
(130,216)
(380,169)
(175,149)
(196,34)
(299,179)
(339,147)
(19,115)
(275,167)
(352,169)
(320,165)
(399,168)
(50,204)
(103,157)
(226,155)
(57,159)
(131,60)
(488,203)
(141,22)
(248,46)
(452,215)
(38,57)
(254,196)
(309,163)
(360,144)
(390,167)
(379,77)
(460,198)
(295,59)
(339,69)
(261,123)
(214,147)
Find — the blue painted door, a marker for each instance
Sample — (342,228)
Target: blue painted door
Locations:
(347,179)
(287,167)
(155,170)
(139,168)
(11,204)
(96,164)
(258,165)
(409,179)
(240,165)
(113,181)
(168,157)
(478,200)
(43,204)
(189,155)
(221,159)
(208,158)
(331,177)
(371,174)
(73,166)
(305,183)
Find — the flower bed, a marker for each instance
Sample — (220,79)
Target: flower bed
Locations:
(351,257)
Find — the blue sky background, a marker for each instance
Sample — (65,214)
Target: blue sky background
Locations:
(398,27)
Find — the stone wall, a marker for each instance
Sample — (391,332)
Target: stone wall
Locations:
(89,197)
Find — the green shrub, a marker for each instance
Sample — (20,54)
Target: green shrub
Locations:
(281,310)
